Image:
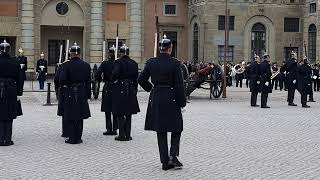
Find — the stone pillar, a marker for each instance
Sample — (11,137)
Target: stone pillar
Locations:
(96,34)
(135,45)
(27,31)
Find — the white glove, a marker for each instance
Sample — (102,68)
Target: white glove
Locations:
(314,77)
(183,109)
(294,81)
(46,73)
(258,82)
(18,98)
(267,83)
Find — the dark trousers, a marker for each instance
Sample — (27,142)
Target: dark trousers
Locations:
(163,145)
(281,83)
(109,125)
(65,129)
(6,130)
(264,99)
(304,98)
(311,96)
(239,80)
(124,123)
(291,92)
(316,84)
(76,128)
(275,83)
(41,83)
(254,96)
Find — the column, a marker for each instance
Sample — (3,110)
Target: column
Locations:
(96,34)
(136,30)
(27,31)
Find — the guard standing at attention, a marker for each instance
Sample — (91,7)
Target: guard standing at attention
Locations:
(10,88)
(76,78)
(266,86)
(254,75)
(105,69)
(291,69)
(124,93)
(42,70)
(23,61)
(166,99)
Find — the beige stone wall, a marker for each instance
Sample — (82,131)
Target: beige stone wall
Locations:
(246,15)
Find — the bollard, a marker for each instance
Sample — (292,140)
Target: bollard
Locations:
(49,94)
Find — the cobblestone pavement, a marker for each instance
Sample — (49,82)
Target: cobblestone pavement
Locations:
(222,139)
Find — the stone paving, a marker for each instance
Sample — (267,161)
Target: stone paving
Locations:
(222,139)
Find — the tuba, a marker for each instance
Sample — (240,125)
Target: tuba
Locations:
(239,69)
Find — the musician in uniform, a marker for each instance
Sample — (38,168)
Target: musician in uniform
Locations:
(254,75)
(291,69)
(275,80)
(304,81)
(247,73)
(315,77)
(76,78)
(106,69)
(42,70)
(10,88)
(124,93)
(166,99)
(282,77)
(23,64)
(310,93)
(266,87)
(240,75)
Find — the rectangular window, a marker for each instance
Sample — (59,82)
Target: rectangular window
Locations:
(116,12)
(170,9)
(9,8)
(54,51)
(291,24)
(173,36)
(312,8)
(221,23)
(230,53)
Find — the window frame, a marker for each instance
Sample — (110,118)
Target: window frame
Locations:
(230,53)
(288,28)
(231,26)
(310,7)
(170,3)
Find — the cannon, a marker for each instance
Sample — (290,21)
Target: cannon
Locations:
(211,75)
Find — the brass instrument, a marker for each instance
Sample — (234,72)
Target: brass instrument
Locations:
(275,74)
(239,69)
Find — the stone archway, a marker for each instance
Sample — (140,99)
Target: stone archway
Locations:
(270,36)
(57,26)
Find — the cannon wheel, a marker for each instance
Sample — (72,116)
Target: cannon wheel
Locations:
(216,89)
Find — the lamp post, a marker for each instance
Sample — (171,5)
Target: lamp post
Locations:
(226,48)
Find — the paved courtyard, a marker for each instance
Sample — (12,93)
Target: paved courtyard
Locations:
(222,139)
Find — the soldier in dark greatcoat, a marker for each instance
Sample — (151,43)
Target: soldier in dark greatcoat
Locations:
(291,77)
(23,64)
(61,90)
(254,75)
(165,102)
(105,69)
(265,74)
(304,81)
(124,93)
(10,88)
(76,78)
(42,70)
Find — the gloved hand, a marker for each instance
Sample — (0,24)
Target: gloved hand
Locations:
(258,82)
(183,109)
(294,81)
(267,83)
(18,98)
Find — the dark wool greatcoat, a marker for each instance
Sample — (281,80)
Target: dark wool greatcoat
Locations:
(42,72)
(23,61)
(167,95)
(105,69)
(60,91)
(265,74)
(125,87)
(254,74)
(291,68)
(10,87)
(76,78)
(304,79)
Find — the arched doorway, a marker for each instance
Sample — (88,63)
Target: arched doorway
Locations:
(258,40)
(312,43)
(195,43)
(61,20)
